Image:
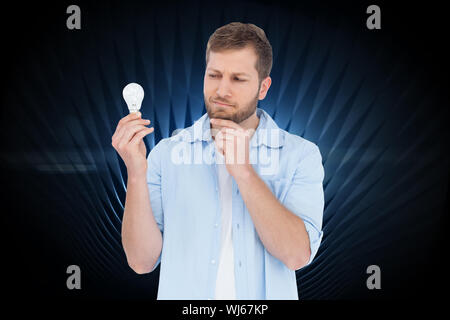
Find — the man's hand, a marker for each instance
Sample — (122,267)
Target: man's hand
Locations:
(233,142)
(128,142)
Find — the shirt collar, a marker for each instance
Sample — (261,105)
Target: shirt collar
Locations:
(267,133)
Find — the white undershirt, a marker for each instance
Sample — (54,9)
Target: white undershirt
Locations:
(225,286)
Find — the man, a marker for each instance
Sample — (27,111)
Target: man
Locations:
(232,205)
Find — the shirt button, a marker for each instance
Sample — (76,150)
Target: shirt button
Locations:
(240,264)
(216,225)
(213,261)
(237,225)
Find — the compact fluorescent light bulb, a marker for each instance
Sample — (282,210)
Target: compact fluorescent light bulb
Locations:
(133,94)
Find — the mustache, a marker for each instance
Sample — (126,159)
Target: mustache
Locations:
(221,101)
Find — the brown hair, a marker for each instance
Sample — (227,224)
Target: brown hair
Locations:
(237,35)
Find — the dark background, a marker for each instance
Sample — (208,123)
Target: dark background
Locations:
(374,101)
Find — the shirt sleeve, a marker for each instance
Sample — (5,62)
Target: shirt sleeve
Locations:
(305,196)
(154,188)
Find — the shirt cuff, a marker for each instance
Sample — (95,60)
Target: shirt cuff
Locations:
(315,238)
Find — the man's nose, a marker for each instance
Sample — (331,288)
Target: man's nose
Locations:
(224,90)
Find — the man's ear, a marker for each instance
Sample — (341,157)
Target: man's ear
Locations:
(265,85)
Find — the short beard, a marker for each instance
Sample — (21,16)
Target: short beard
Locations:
(241,115)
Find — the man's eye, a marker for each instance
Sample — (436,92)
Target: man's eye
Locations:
(237,79)
(213,76)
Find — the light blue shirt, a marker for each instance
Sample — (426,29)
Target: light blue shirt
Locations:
(183,188)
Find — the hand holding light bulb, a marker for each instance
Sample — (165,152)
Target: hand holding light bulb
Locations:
(130,132)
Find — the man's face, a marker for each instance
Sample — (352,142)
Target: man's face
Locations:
(231,86)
